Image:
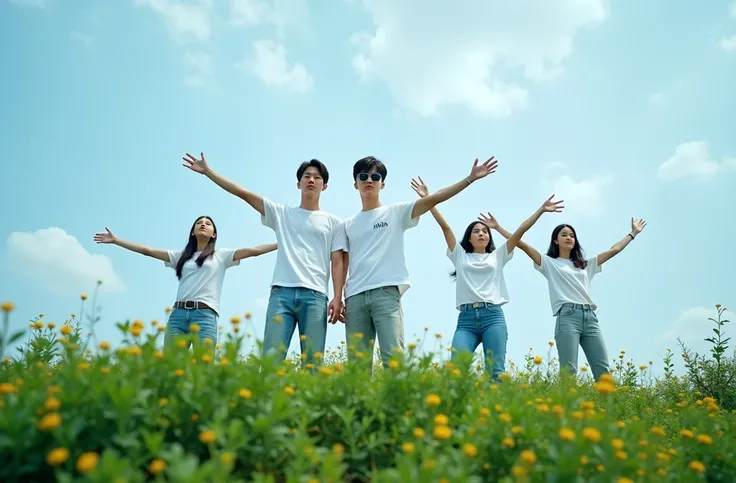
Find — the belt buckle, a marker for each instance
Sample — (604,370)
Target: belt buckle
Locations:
(476,305)
(193,306)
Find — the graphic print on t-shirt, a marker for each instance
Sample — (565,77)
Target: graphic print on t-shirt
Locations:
(375,243)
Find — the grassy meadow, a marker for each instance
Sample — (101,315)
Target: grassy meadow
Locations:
(73,408)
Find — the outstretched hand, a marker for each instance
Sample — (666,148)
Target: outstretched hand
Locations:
(488,220)
(195,164)
(552,206)
(482,170)
(419,186)
(637,225)
(108,237)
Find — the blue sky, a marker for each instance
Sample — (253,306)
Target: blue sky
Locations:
(620,108)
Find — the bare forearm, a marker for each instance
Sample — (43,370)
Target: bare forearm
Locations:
(338,275)
(425,204)
(234,188)
(143,249)
(263,249)
(503,231)
(621,244)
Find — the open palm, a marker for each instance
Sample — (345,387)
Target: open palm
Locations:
(108,237)
(489,220)
(638,225)
(484,169)
(195,164)
(553,206)
(420,187)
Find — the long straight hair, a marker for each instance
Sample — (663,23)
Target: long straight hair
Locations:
(577,256)
(191,247)
(468,247)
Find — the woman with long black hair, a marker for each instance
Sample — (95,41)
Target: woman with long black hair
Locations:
(569,273)
(200,268)
(481,288)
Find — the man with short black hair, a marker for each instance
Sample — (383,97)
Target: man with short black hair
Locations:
(310,245)
(377,274)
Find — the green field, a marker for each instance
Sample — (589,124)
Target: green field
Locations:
(76,409)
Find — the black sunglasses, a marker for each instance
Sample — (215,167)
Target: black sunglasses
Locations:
(373,176)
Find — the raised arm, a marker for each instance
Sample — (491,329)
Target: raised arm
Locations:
(423,191)
(110,237)
(425,204)
(242,253)
(636,227)
(200,166)
(548,206)
(531,252)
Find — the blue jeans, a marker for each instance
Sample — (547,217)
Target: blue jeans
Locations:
(292,307)
(375,312)
(577,326)
(180,321)
(486,323)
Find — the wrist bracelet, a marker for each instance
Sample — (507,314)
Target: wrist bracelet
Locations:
(632,236)
(467,180)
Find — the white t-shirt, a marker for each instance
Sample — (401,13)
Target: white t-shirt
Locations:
(375,241)
(568,284)
(480,275)
(202,284)
(306,240)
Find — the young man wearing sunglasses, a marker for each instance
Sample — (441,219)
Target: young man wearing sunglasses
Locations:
(377,274)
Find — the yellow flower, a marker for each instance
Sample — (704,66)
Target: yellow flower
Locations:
(407,447)
(163,402)
(248,315)
(83,296)
(697,466)
(289,391)
(66,329)
(135,351)
(105,345)
(7,388)
(179,372)
(617,443)
(441,420)
(658,430)
(338,448)
(528,457)
(278,318)
(505,417)
(194,327)
(508,442)
(245,393)
(704,439)
(686,433)
(442,432)
(393,364)
(623,479)
(158,355)
(136,330)
(567,434)
(485,412)
(227,458)
(207,436)
(87,462)
(418,433)
(592,434)
(52,404)
(50,422)
(38,324)
(433,400)
(57,456)
(7,307)
(157,466)
(470,450)
(537,360)
(235,320)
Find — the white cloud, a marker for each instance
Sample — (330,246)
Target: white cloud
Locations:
(283,14)
(186,21)
(269,63)
(60,262)
(691,159)
(728,43)
(692,327)
(433,55)
(31,3)
(584,197)
(202,65)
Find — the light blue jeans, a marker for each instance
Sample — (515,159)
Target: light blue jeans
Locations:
(180,321)
(482,323)
(577,326)
(296,307)
(375,312)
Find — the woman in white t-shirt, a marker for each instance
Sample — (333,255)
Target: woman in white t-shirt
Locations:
(568,275)
(481,290)
(200,268)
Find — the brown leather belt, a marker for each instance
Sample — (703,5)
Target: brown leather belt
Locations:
(191,305)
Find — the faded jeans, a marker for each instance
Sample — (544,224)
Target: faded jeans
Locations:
(482,323)
(292,307)
(577,326)
(180,321)
(375,312)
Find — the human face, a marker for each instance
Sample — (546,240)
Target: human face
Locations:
(369,183)
(566,239)
(312,182)
(479,238)
(204,229)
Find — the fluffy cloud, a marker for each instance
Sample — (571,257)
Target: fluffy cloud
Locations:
(270,64)
(283,14)
(474,54)
(60,262)
(728,43)
(202,65)
(692,327)
(585,196)
(692,159)
(186,21)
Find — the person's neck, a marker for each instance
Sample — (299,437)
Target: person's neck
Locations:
(202,244)
(370,203)
(479,250)
(308,203)
(565,254)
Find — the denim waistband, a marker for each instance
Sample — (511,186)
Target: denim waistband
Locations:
(477,305)
(577,306)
